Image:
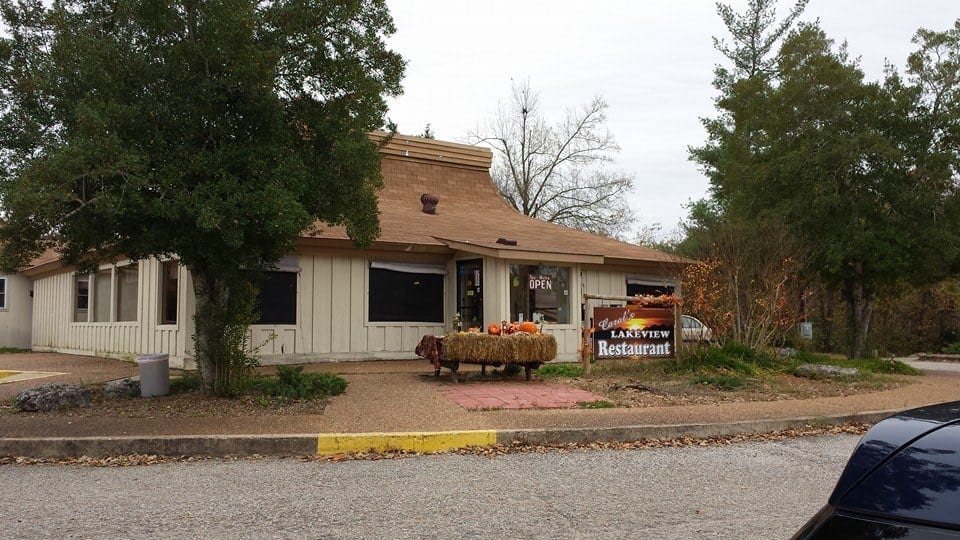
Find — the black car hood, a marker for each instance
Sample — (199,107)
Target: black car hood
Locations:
(916,439)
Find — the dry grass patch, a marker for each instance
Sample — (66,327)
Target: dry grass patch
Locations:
(718,377)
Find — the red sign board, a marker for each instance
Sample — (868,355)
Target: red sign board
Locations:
(633,332)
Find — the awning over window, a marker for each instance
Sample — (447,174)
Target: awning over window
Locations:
(410,268)
(289,263)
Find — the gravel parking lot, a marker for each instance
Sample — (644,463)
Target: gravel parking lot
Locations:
(747,490)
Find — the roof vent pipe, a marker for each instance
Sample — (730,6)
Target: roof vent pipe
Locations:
(430,201)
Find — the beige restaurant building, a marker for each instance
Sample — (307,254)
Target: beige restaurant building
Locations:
(473,254)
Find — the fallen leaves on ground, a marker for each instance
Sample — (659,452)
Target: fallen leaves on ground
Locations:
(517,447)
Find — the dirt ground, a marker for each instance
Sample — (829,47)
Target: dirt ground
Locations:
(646,386)
(187,405)
(619,389)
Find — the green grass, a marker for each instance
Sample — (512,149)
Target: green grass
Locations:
(865,365)
(723,382)
(598,404)
(953,348)
(12,350)
(549,371)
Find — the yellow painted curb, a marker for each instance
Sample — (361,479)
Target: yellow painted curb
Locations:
(435,441)
(19,376)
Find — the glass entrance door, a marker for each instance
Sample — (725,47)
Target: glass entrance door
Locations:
(469,294)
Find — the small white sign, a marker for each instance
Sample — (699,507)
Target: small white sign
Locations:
(541,283)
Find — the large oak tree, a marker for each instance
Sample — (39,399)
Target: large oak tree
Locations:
(215,131)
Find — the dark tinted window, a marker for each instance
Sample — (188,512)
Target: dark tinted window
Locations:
(633,289)
(168,292)
(277,300)
(405,297)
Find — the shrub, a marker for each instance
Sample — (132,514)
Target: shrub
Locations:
(560,370)
(188,382)
(953,348)
(292,383)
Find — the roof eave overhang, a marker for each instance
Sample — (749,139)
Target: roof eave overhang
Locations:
(671,264)
(44,269)
(409,247)
(523,254)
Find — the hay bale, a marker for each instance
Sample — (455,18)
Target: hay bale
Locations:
(512,349)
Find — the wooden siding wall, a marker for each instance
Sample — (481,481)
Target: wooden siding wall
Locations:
(331,313)
(333,291)
(55,329)
(16,316)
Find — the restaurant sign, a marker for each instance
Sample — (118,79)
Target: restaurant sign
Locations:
(633,331)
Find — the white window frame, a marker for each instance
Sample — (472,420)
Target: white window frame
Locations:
(92,284)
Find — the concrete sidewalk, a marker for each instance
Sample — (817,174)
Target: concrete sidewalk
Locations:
(403,397)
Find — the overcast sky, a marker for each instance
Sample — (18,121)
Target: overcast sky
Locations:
(651,59)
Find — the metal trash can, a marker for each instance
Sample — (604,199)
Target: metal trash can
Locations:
(154,374)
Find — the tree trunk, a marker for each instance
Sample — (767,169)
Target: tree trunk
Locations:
(826,308)
(210,306)
(860,306)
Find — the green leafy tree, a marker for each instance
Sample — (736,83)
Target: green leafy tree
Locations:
(216,131)
(861,174)
(849,164)
(714,230)
(852,168)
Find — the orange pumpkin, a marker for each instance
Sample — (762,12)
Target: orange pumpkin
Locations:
(494,329)
(512,328)
(528,326)
(473,330)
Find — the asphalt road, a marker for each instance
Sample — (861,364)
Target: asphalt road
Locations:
(749,490)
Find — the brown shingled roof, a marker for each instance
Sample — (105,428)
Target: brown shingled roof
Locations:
(471,215)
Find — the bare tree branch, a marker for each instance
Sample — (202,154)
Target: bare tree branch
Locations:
(556,172)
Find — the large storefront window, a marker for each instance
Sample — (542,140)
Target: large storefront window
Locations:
(406,293)
(540,293)
(94,292)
